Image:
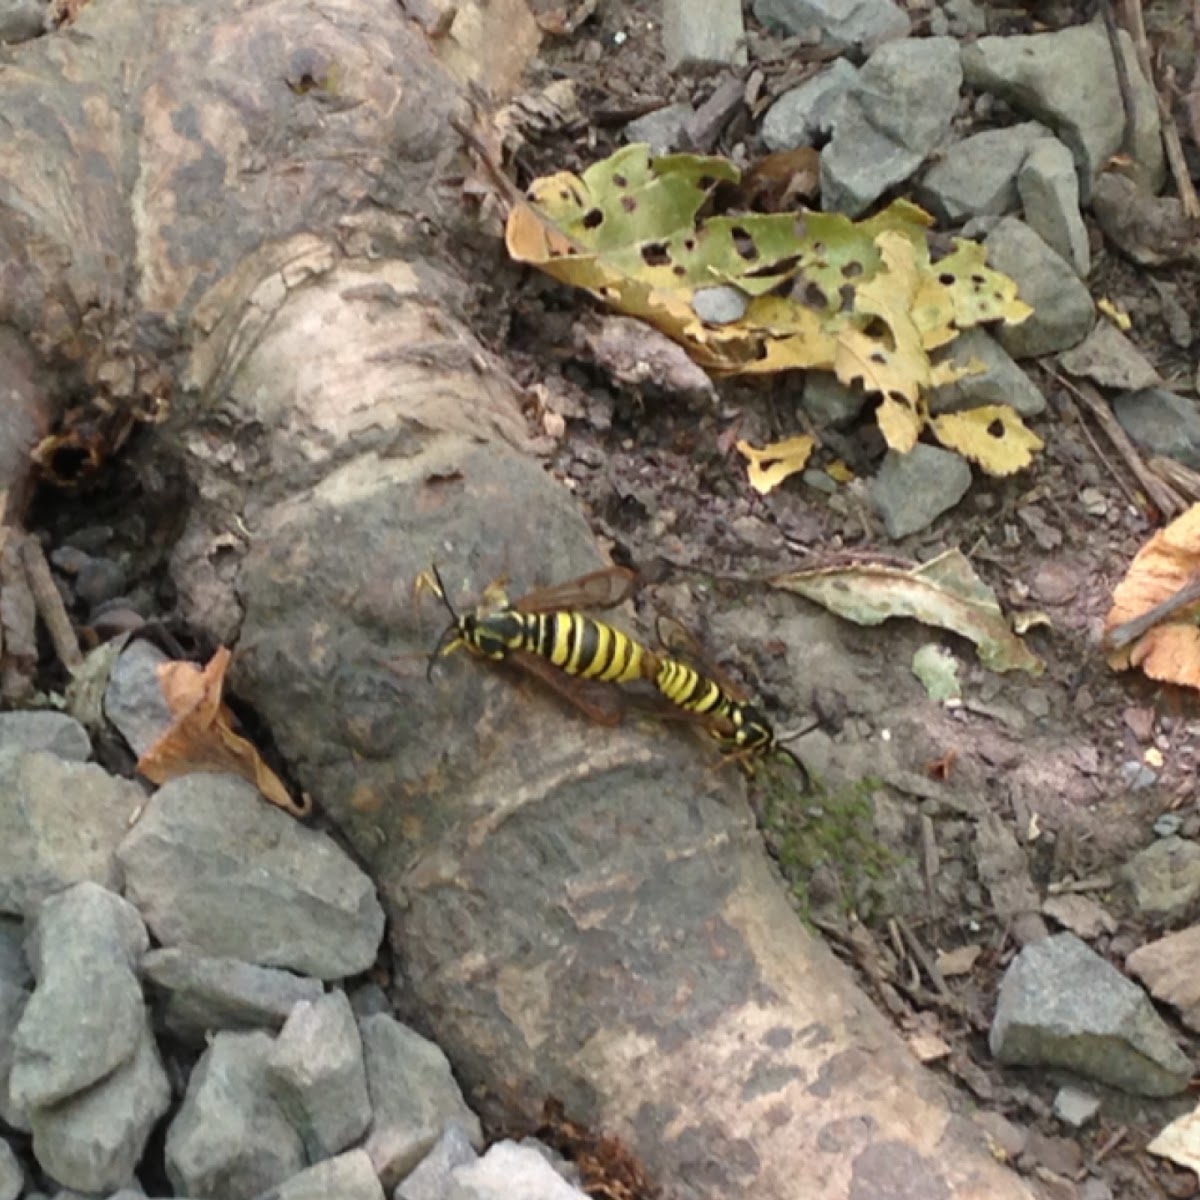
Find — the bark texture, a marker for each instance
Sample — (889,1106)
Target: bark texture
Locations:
(238,203)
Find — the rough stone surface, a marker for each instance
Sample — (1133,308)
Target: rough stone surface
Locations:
(840,24)
(1001,381)
(1049,189)
(54,732)
(899,109)
(703,32)
(662,130)
(1162,423)
(1068,79)
(133,701)
(978,175)
(1149,229)
(14,966)
(413,1095)
(215,869)
(94,1140)
(431,1177)
(347,1177)
(804,113)
(230,1138)
(912,490)
(1107,357)
(317,1074)
(1165,878)
(13,999)
(60,822)
(86,1016)
(508,1170)
(205,995)
(1062,1005)
(12,1178)
(1063,313)
(829,401)
(1170,969)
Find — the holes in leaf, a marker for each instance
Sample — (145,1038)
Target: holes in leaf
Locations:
(996,428)
(620,181)
(628,204)
(811,295)
(845,298)
(743,243)
(655,254)
(852,270)
(592,219)
(946,279)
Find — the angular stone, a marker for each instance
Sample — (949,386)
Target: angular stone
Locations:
(828,401)
(316,1073)
(1170,968)
(347,1177)
(662,130)
(14,966)
(1062,1005)
(54,732)
(912,490)
(94,1141)
(230,1139)
(1165,878)
(86,1016)
(703,32)
(1000,382)
(205,995)
(839,24)
(1063,313)
(1068,79)
(60,822)
(978,175)
(12,1178)
(899,109)
(1049,189)
(1107,357)
(807,112)
(215,869)
(508,1170)
(413,1094)
(133,701)
(431,1177)
(1162,422)
(21,21)
(12,1004)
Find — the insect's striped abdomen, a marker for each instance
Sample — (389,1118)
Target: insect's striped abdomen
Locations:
(585,647)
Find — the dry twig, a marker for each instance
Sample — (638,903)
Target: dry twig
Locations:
(49,603)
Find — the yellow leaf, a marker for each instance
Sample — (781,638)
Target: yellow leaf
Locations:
(1118,316)
(839,472)
(899,423)
(772,464)
(992,436)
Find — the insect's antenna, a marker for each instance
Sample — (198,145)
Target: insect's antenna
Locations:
(792,734)
(451,631)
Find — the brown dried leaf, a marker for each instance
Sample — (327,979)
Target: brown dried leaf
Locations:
(202,739)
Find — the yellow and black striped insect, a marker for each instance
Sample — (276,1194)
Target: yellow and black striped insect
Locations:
(544,634)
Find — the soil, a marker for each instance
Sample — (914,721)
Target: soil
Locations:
(1050,756)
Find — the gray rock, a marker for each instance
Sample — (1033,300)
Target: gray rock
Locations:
(807,112)
(14,966)
(12,1178)
(60,823)
(1001,381)
(703,32)
(431,1177)
(829,402)
(899,109)
(1151,230)
(12,1004)
(230,1138)
(979,174)
(1049,189)
(508,1170)
(1165,878)
(1063,313)
(662,130)
(316,1073)
(94,1141)
(209,994)
(86,1016)
(964,18)
(413,1095)
(1062,1005)
(1068,80)
(214,868)
(1107,357)
(54,732)
(1075,1107)
(840,23)
(347,1177)
(21,20)
(1170,969)
(133,700)
(912,490)
(1161,422)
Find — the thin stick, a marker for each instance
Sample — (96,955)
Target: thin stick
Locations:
(1175,474)
(1168,501)
(1120,636)
(49,603)
(1130,494)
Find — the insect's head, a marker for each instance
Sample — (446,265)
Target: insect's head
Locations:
(752,732)
(456,633)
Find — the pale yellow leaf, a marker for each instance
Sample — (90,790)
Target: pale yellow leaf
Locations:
(773,463)
(992,436)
